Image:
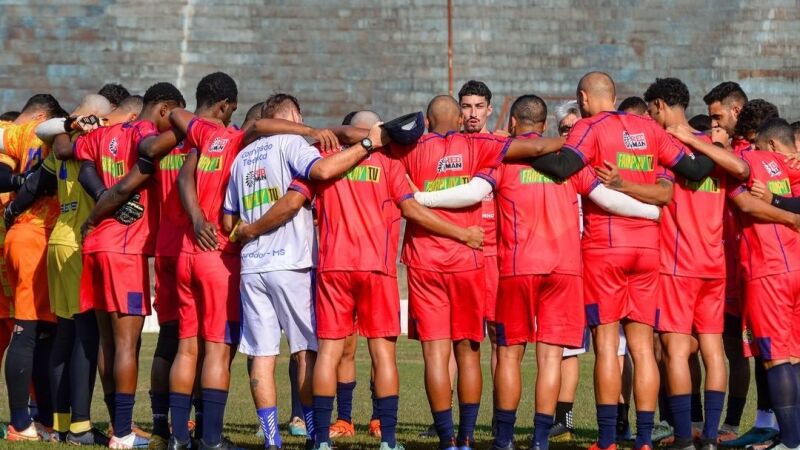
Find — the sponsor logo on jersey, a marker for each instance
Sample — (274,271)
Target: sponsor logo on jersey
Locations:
(69,206)
(451,162)
(634,141)
(172,161)
(630,161)
(780,187)
(114,168)
(533,176)
(772,168)
(708,184)
(218,145)
(113,146)
(209,163)
(266,196)
(255,175)
(444,183)
(371,174)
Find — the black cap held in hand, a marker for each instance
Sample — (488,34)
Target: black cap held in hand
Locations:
(407,129)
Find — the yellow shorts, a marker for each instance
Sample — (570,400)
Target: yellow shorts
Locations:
(64,266)
(25,252)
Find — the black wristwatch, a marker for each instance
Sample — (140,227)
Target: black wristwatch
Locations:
(367,144)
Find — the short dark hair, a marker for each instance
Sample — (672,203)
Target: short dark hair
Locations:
(753,115)
(633,104)
(348,118)
(700,122)
(529,109)
(9,116)
(163,92)
(796,127)
(726,92)
(473,87)
(273,104)
(671,90)
(254,113)
(778,129)
(216,87)
(46,103)
(115,93)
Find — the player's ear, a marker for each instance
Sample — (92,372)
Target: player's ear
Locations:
(427,124)
(489,110)
(735,110)
(512,123)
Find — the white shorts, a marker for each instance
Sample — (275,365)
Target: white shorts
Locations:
(275,301)
(622,350)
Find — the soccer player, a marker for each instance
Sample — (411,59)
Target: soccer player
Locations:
(25,250)
(633,105)
(796,130)
(621,256)
(692,282)
(115,279)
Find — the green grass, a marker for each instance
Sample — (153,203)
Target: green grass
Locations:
(414,415)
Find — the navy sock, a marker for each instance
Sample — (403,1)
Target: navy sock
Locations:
(269,424)
(504,433)
(374,400)
(180,405)
(733,415)
(782,383)
(607,425)
(214,401)
(564,414)
(697,407)
(108,399)
(443,422)
(21,418)
(123,413)
(622,418)
(387,413)
(714,400)
(308,417)
(197,404)
(323,409)
(645,420)
(159,405)
(542,423)
(344,401)
(679,408)
(467,417)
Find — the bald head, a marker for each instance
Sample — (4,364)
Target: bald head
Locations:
(94,104)
(596,93)
(444,114)
(365,119)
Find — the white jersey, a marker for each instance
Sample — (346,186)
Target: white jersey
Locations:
(261,174)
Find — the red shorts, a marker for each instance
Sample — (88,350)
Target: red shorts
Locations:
(208,296)
(772,312)
(115,282)
(446,305)
(689,305)
(541,308)
(166,302)
(620,283)
(492,272)
(372,297)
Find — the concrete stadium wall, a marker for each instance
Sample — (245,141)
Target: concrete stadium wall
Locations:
(391,55)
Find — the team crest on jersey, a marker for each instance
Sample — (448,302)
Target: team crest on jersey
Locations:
(634,141)
(772,168)
(113,146)
(255,175)
(451,162)
(218,145)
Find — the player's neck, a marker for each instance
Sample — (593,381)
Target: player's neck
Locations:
(522,130)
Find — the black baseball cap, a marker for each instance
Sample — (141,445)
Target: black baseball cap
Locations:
(407,129)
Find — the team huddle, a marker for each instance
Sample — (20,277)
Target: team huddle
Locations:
(665,241)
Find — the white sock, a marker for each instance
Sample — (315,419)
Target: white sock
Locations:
(765,419)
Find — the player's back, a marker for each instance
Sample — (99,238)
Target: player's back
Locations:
(692,226)
(440,162)
(359,221)
(173,220)
(768,248)
(640,149)
(538,220)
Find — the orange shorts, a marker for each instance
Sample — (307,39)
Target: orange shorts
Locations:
(25,253)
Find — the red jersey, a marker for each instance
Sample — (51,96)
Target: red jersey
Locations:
(692,224)
(638,146)
(216,147)
(359,219)
(174,221)
(768,248)
(539,221)
(732,234)
(439,162)
(114,151)
(489,224)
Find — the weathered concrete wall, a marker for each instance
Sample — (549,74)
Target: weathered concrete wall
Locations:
(391,56)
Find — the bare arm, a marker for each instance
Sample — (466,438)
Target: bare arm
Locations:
(424,217)
(721,157)
(658,194)
(278,214)
(765,212)
(205,232)
(117,195)
(180,119)
(157,146)
(339,163)
(63,147)
(533,148)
